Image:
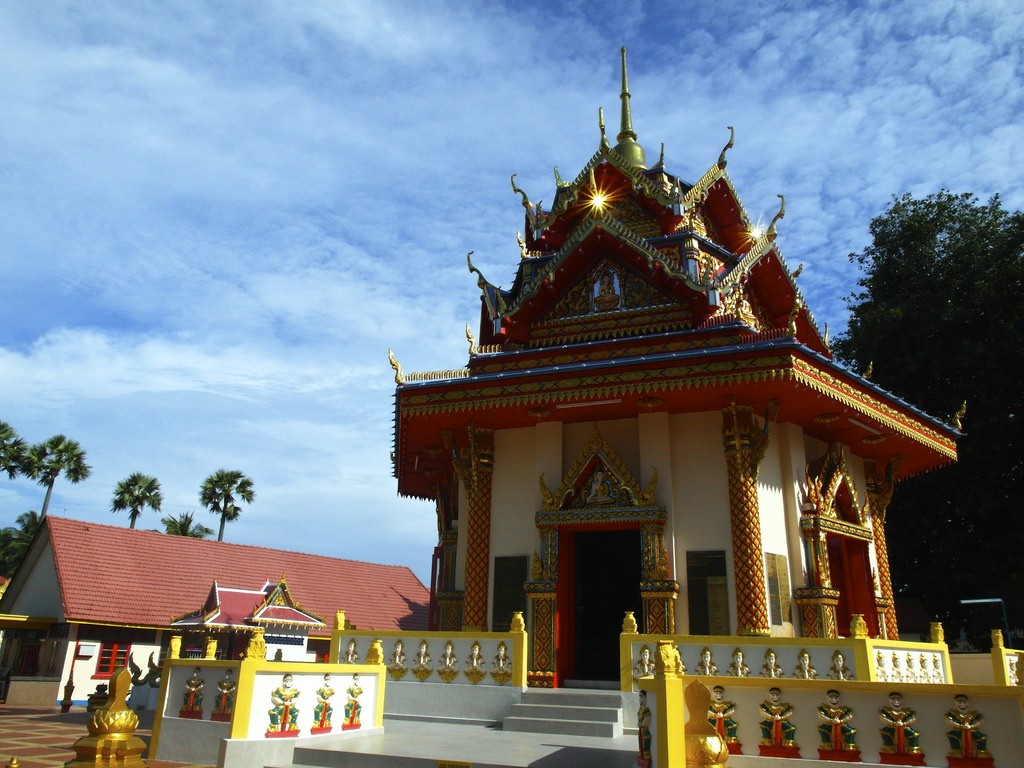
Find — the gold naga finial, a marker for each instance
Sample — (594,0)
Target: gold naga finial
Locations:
(523,251)
(661,157)
(605,145)
(775,219)
(526,201)
(471,340)
(559,181)
(796,272)
(869,370)
(957,417)
(792,317)
(399,376)
(728,145)
(826,340)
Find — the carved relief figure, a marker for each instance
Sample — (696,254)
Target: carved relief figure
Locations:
(720,715)
(898,738)
(776,730)
(738,667)
(351,655)
(449,668)
(644,665)
(284,712)
(502,664)
(352,706)
(192,700)
(706,665)
(474,664)
(771,667)
(839,670)
(606,291)
(965,738)
(396,664)
(835,730)
(421,666)
(323,710)
(643,728)
(225,702)
(804,669)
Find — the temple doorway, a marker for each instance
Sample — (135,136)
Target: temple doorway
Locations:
(604,578)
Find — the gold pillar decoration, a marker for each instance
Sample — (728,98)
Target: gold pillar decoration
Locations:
(936,633)
(744,446)
(880,488)
(658,593)
(112,742)
(882,606)
(211,647)
(375,654)
(858,627)
(997,638)
(340,622)
(629,626)
(817,611)
(475,467)
(517,624)
(449,610)
(705,748)
(257,648)
(175,649)
(542,599)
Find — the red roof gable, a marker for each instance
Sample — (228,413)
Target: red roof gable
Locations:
(115,575)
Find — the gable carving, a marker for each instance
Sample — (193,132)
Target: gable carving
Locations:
(830,486)
(607,287)
(598,480)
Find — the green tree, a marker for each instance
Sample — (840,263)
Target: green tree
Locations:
(135,493)
(12,450)
(940,315)
(14,541)
(219,492)
(185,525)
(47,461)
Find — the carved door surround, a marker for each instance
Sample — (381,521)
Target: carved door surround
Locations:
(598,492)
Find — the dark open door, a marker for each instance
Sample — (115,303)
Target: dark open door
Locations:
(607,572)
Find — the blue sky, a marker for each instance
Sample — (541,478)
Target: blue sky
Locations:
(215,218)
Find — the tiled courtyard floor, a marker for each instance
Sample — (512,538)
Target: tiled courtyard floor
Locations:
(42,737)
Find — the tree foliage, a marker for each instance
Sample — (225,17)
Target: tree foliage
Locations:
(45,462)
(940,315)
(12,451)
(185,525)
(135,493)
(14,541)
(220,491)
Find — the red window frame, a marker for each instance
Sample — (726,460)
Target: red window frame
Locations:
(111,656)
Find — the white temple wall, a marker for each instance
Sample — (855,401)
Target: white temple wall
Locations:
(793,460)
(698,508)
(461,539)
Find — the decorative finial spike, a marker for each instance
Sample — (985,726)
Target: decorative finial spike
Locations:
(627,145)
(605,144)
(727,147)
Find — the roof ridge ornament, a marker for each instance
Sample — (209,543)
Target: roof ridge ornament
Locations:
(627,145)
(605,145)
(729,145)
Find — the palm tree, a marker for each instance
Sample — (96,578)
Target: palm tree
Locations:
(14,541)
(58,456)
(218,494)
(185,525)
(134,493)
(12,450)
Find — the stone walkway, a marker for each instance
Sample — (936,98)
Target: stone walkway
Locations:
(42,737)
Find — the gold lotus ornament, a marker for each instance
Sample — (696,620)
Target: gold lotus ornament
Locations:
(704,747)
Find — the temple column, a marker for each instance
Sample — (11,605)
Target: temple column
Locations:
(657,591)
(475,467)
(745,445)
(541,590)
(880,489)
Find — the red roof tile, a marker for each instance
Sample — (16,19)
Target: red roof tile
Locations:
(116,575)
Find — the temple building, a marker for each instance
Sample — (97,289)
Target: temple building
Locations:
(651,421)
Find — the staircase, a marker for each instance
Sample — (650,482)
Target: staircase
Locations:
(567,711)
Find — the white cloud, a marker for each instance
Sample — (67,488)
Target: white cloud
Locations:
(215,219)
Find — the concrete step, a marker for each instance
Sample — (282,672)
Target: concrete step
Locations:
(562,726)
(557,712)
(568,712)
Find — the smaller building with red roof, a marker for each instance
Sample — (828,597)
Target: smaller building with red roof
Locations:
(90,597)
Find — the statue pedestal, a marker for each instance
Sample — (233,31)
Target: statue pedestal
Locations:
(734,747)
(889,758)
(840,755)
(970,762)
(769,750)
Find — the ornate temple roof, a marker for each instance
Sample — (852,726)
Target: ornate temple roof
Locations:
(232,608)
(639,291)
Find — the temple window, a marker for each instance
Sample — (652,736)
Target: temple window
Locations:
(111,656)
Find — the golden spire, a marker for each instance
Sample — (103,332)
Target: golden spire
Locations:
(627,147)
